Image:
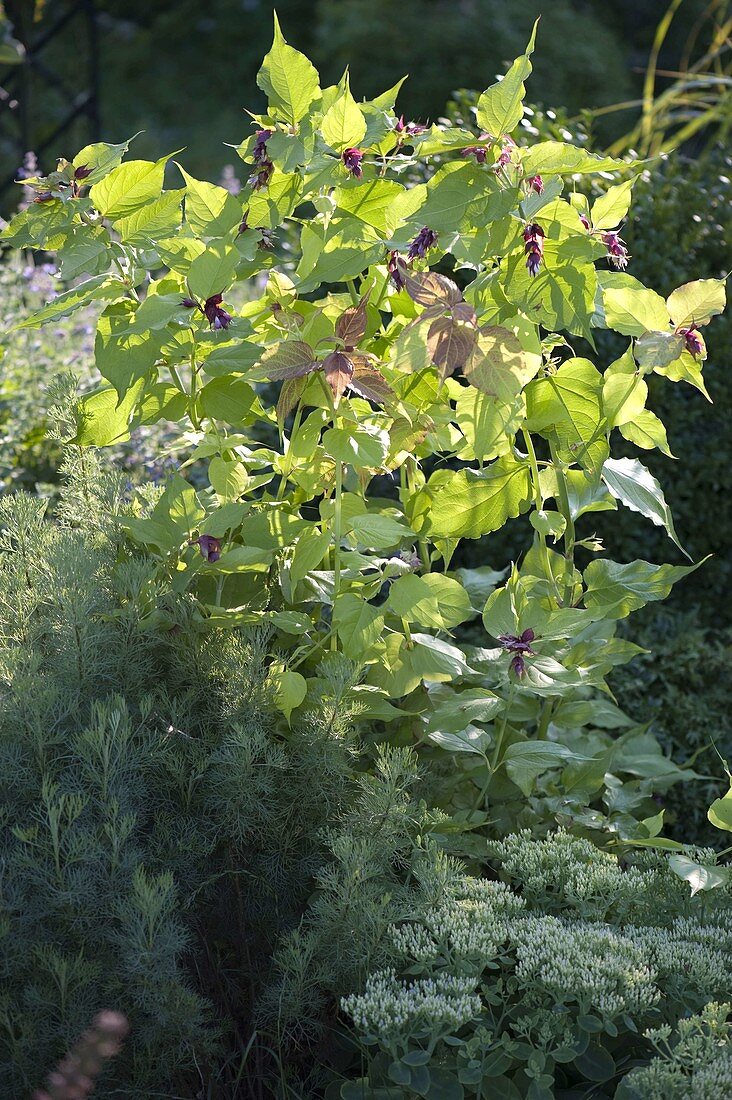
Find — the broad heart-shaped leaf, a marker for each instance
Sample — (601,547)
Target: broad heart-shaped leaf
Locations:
(634,486)
(100,158)
(569,402)
(429,288)
(343,125)
(699,876)
(368,200)
(471,739)
(368,382)
(658,349)
(288,79)
(501,107)
(228,478)
(123,350)
(103,417)
(98,289)
(525,760)
(427,659)
(290,359)
(376,531)
(614,590)
(128,187)
(623,398)
(555,157)
(696,303)
(610,209)
(450,343)
(210,211)
(647,431)
(338,371)
(499,365)
(457,711)
(433,601)
(351,325)
(160,218)
(720,812)
(470,503)
(631,308)
(360,447)
(357,623)
(290,689)
(213,271)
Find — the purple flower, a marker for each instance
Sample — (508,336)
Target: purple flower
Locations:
(266,239)
(693,341)
(519,646)
(189,303)
(216,315)
(506,153)
(422,243)
(586,222)
(536,183)
(259,152)
(396,267)
(411,129)
(478,151)
(534,247)
(209,546)
(617,253)
(82,172)
(352,160)
(260,179)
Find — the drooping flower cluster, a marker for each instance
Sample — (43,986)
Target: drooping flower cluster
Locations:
(422,243)
(261,177)
(352,161)
(617,253)
(519,647)
(408,129)
(212,309)
(693,341)
(536,183)
(396,267)
(209,546)
(533,247)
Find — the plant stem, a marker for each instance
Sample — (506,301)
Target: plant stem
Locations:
(337,535)
(539,503)
(354,293)
(287,460)
(194,381)
(569,535)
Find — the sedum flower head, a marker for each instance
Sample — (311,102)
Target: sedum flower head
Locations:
(389,1007)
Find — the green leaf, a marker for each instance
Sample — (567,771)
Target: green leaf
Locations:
(623,398)
(228,478)
(378,532)
(555,157)
(210,211)
(368,201)
(614,590)
(634,486)
(658,349)
(230,399)
(647,431)
(241,559)
(456,711)
(104,418)
(213,271)
(696,303)
(357,623)
(632,309)
(310,549)
(160,218)
(433,601)
(720,812)
(101,158)
(699,876)
(290,689)
(98,289)
(288,79)
(472,503)
(501,108)
(609,210)
(360,448)
(343,124)
(128,187)
(569,402)
(525,760)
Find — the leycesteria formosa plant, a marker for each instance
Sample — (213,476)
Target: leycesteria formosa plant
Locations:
(411,367)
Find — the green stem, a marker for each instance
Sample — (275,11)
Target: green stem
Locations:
(194,382)
(544,720)
(422,546)
(569,534)
(287,460)
(354,293)
(173,370)
(337,535)
(539,503)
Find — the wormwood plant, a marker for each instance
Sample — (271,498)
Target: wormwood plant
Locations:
(421,338)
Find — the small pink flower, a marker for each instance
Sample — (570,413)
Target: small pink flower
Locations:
(536,183)
(693,341)
(586,222)
(396,267)
(478,151)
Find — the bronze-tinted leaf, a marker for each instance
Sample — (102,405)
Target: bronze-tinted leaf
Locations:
(369,382)
(338,370)
(291,359)
(450,344)
(291,392)
(463,311)
(351,325)
(428,288)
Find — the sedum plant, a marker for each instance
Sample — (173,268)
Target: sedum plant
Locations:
(411,369)
(541,984)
